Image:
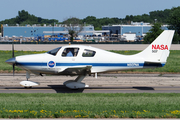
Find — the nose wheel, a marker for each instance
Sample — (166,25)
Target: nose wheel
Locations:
(27,83)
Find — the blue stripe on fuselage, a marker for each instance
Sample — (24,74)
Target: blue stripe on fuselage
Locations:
(31,64)
(95,64)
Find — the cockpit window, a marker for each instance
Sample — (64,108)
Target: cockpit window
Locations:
(70,52)
(54,51)
(88,53)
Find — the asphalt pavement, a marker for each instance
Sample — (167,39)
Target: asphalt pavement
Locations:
(104,83)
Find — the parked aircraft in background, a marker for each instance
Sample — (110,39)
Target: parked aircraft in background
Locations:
(84,60)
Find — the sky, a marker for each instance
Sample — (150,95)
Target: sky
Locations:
(63,9)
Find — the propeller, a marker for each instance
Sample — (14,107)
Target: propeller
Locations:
(12,49)
(13,57)
(12,61)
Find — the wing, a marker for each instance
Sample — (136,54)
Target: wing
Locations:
(76,70)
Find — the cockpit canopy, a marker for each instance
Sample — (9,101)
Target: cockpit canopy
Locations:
(54,51)
(72,52)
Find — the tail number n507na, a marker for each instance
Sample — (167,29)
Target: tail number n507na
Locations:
(82,60)
(132,64)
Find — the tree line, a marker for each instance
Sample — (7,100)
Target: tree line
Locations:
(161,16)
(168,16)
(25,18)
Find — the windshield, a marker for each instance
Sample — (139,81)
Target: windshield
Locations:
(54,51)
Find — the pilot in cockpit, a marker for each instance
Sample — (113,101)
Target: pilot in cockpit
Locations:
(69,53)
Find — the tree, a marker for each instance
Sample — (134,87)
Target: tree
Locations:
(74,26)
(176,38)
(92,21)
(23,16)
(153,33)
(174,23)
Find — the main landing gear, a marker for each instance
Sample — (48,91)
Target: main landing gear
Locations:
(76,84)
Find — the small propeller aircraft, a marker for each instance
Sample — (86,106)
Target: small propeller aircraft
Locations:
(83,60)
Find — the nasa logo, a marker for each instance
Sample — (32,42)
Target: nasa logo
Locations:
(159,47)
(51,64)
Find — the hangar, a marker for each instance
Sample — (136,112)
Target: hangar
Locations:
(38,30)
(137,28)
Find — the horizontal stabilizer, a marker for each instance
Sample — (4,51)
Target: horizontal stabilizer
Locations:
(152,62)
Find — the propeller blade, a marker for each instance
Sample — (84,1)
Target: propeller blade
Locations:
(12,49)
(13,57)
(13,69)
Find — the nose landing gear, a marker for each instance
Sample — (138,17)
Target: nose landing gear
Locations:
(28,84)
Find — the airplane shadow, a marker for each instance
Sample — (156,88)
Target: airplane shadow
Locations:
(144,88)
(64,89)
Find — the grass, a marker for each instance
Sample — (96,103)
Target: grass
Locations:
(90,105)
(172,65)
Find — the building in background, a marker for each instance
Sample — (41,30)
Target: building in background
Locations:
(58,32)
(130,32)
(38,32)
(35,30)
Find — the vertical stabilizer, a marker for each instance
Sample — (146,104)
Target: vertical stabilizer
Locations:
(158,50)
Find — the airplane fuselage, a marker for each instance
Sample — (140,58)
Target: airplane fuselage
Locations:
(99,60)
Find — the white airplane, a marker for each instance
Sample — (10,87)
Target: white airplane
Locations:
(82,60)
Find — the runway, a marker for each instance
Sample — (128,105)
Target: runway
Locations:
(105,83)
